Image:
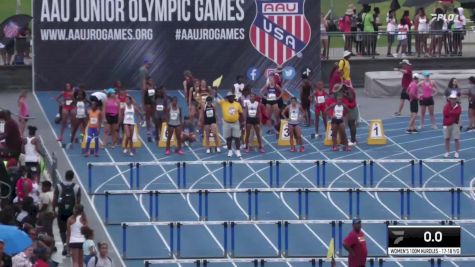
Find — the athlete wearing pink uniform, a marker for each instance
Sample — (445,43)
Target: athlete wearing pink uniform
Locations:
(427,100)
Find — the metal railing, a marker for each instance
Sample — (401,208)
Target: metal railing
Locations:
(373,44)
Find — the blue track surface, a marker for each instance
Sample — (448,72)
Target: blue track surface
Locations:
(259,241)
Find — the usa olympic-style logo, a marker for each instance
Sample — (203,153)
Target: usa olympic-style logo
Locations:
(280,30)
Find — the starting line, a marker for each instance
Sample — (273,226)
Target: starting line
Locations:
(274,166)
(302,194)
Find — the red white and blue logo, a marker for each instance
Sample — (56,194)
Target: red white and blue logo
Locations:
(11,29)
(280,30)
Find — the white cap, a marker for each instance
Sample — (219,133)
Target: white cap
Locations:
(453,94)
(416,76)
(405,61)
(347,53)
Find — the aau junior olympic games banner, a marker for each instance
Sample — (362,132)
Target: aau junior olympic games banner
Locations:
(97,42)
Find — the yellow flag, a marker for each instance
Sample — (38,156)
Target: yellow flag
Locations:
(331,249)
(217,82)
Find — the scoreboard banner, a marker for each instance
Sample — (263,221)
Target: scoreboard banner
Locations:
(97,42)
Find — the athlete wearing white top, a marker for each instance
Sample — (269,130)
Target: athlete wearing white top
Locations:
(81,110)
(294,110)
(31,155)
(75,235)
(129,115)
(238,87)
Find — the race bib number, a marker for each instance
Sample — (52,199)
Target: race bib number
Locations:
(81,110)
(252,112)
(209,113)
(151,92)
(320,99)
(338,113)
(294,116)
(160,107)
(271,96)
(68,102)
(122,105)
(232,111)
(94,120)
(173,115)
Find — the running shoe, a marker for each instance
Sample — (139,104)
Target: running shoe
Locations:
(180,152)
(208,151)
(230,153)
(167,152)
(238,153)
(415,131)
(456,155)
(131,154)
(302,149)
(125,151)
(420,127)
(446,155)
(218,149)
(261,150)
(292,149)
(397,114)
(317,135)
(408,131)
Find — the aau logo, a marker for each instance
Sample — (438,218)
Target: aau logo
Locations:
(280,30)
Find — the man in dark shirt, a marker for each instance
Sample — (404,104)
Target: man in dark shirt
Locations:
(5,260)
(406,69)
(10,137)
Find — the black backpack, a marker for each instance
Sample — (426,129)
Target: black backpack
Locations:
(67,198)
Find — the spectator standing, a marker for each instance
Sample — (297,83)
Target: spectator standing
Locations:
(345,28)
(67,194)
(471,104)
(402,37)
(391,28)
(344,68)
(408,22)
(46,214)
(23,259)
(458,29)
(31,148)
(88,247)
(376,25)
(436,29)
(24,185)
(422,23)
(103,259)
(5,260)
(368,30)
(23,111)
(452,111)
(355,244)
(349,99)
(232,121)
(11,135)
(75,239)
(406,69)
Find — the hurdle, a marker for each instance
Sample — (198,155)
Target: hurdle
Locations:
(282,229)
(302,195)
(314,261)
(274,167)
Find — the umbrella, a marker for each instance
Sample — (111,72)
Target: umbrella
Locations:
(370,1)
(418,3)
(10,27)
(395,5)
(15,240)
(467,3)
